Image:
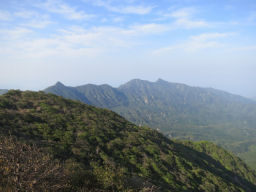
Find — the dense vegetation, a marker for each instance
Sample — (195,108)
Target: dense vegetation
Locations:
(178,111)
(101,151)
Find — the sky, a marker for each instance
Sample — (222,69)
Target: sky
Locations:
(206,43)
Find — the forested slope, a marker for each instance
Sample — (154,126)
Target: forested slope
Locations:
(100,150)
(180,111)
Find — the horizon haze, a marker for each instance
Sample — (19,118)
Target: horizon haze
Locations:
(196,42)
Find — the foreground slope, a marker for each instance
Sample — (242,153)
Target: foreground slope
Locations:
(103,151)
(181,111)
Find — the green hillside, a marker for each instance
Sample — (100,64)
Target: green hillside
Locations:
(103,96)
(68,92)
(180,111)
(101,151)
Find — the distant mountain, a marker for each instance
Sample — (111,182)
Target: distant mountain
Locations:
(67,92)
(179,111)
(101,151)
(3,91)
(103,96)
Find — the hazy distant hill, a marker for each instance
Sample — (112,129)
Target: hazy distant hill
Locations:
(101,151)
(180,111)
(3,91)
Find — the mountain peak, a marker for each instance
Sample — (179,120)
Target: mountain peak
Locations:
(3,91)
(161,81)
(134,83)
(140,81)
(59,84)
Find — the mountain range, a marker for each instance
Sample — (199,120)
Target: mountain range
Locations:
(99,150)
(178,111)
(3,91)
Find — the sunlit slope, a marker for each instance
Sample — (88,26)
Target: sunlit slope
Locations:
(111,153)
(181,111)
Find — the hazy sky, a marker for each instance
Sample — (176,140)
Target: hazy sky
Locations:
(209,43)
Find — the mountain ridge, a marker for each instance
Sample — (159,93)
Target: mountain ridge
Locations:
(179,111)
(105,152)
(3,91)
